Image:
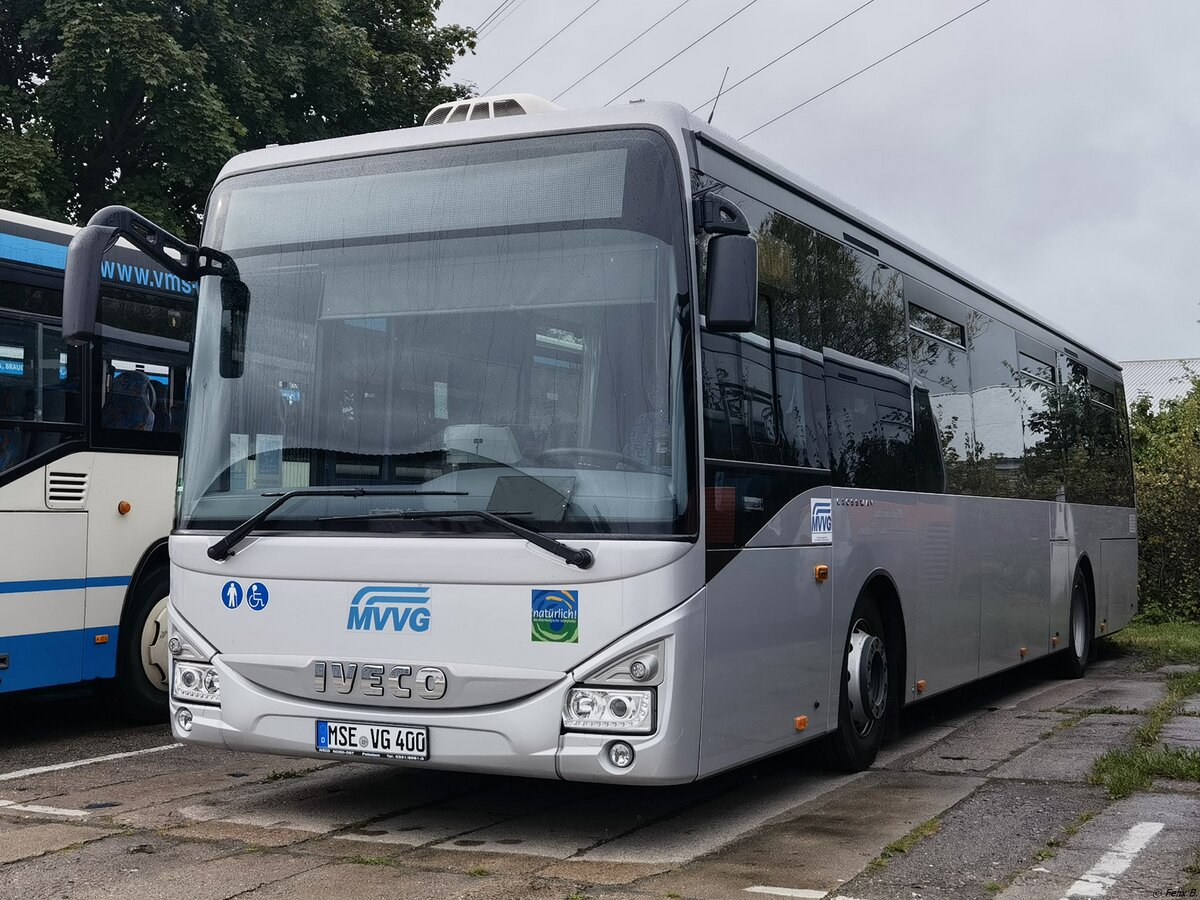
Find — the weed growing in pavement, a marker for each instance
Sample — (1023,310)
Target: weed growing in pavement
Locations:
(993,887)
(906,843)
(373,860)
(478,872)
(673,895)
(284,774)
(1124,771)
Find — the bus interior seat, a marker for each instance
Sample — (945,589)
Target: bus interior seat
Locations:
(130,403)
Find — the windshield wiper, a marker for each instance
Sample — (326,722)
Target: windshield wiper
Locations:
(223,548)
(580,557)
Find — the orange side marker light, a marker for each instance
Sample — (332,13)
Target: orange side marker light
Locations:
(124,507)
(801,722)
(821,572)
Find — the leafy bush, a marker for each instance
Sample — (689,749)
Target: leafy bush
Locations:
(1166,460)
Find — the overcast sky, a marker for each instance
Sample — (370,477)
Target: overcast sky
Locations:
(1049,147)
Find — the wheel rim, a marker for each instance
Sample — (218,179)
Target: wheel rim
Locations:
(154,646)
(867,688)
(1079,623)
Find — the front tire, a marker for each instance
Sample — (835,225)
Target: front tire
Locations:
(142,659)
(1073,661)
(865,692)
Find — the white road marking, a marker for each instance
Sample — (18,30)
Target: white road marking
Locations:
(787,892)
(58,767)
(42,810)
(1104,874)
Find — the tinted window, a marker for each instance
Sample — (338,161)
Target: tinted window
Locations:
(996,400)
(1041,431)
(870,425)
(739,407)
(940,367)
(938,326)
(39,387)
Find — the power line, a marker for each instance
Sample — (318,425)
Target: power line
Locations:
(864,69)
(807,40)
(492,15)
(683,51)
(543,46)
(626,46)
(502,18)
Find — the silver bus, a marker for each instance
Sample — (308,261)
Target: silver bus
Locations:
(593,445)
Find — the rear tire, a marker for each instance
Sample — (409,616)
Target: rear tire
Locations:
(142,661)
(865,692)
(1073,661)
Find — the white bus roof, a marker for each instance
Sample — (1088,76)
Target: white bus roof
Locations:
(672,118)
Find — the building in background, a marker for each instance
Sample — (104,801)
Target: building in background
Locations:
(1159,379)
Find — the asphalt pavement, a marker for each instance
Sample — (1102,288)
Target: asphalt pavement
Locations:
(984,794)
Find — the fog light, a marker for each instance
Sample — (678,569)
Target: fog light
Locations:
(175,645)
(183,718)
(620,754)
(644,667)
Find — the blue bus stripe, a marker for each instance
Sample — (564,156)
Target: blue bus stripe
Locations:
(58,657)
(37,253)
(62,584)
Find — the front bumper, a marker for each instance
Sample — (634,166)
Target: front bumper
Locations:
(523,737)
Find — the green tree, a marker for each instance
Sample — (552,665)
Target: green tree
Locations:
(1166,458)
(142,101)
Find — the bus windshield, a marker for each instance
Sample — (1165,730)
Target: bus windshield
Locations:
(500,325)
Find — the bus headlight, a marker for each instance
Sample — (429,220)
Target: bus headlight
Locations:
(620,711)
(195,682)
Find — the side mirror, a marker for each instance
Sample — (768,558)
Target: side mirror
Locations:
(731,301)
(81,281)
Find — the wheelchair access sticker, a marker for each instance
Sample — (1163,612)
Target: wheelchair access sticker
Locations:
(256,595)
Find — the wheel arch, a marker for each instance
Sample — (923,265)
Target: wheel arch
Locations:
(154,556)
(1084,567)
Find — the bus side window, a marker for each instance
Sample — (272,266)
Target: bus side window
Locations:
(39,387)
(144,349)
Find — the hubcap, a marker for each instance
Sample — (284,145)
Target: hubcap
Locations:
(1079,629)
(868,682)
(154,645)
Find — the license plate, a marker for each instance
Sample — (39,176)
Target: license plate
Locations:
(357,739)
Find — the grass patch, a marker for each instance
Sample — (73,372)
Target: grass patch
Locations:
(1161,644)
(906,843)
(372,860)
(993,887)
(478,872)
(1125,771)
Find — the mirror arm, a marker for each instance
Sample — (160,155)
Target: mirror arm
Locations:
(152,240)
(716,215)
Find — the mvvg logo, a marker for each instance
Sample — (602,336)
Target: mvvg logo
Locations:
(821,520)
(404,608)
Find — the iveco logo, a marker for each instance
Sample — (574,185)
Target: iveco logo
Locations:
(428,682)
(400,607)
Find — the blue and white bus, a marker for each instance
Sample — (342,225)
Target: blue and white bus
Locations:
(591,444)
(89,445)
